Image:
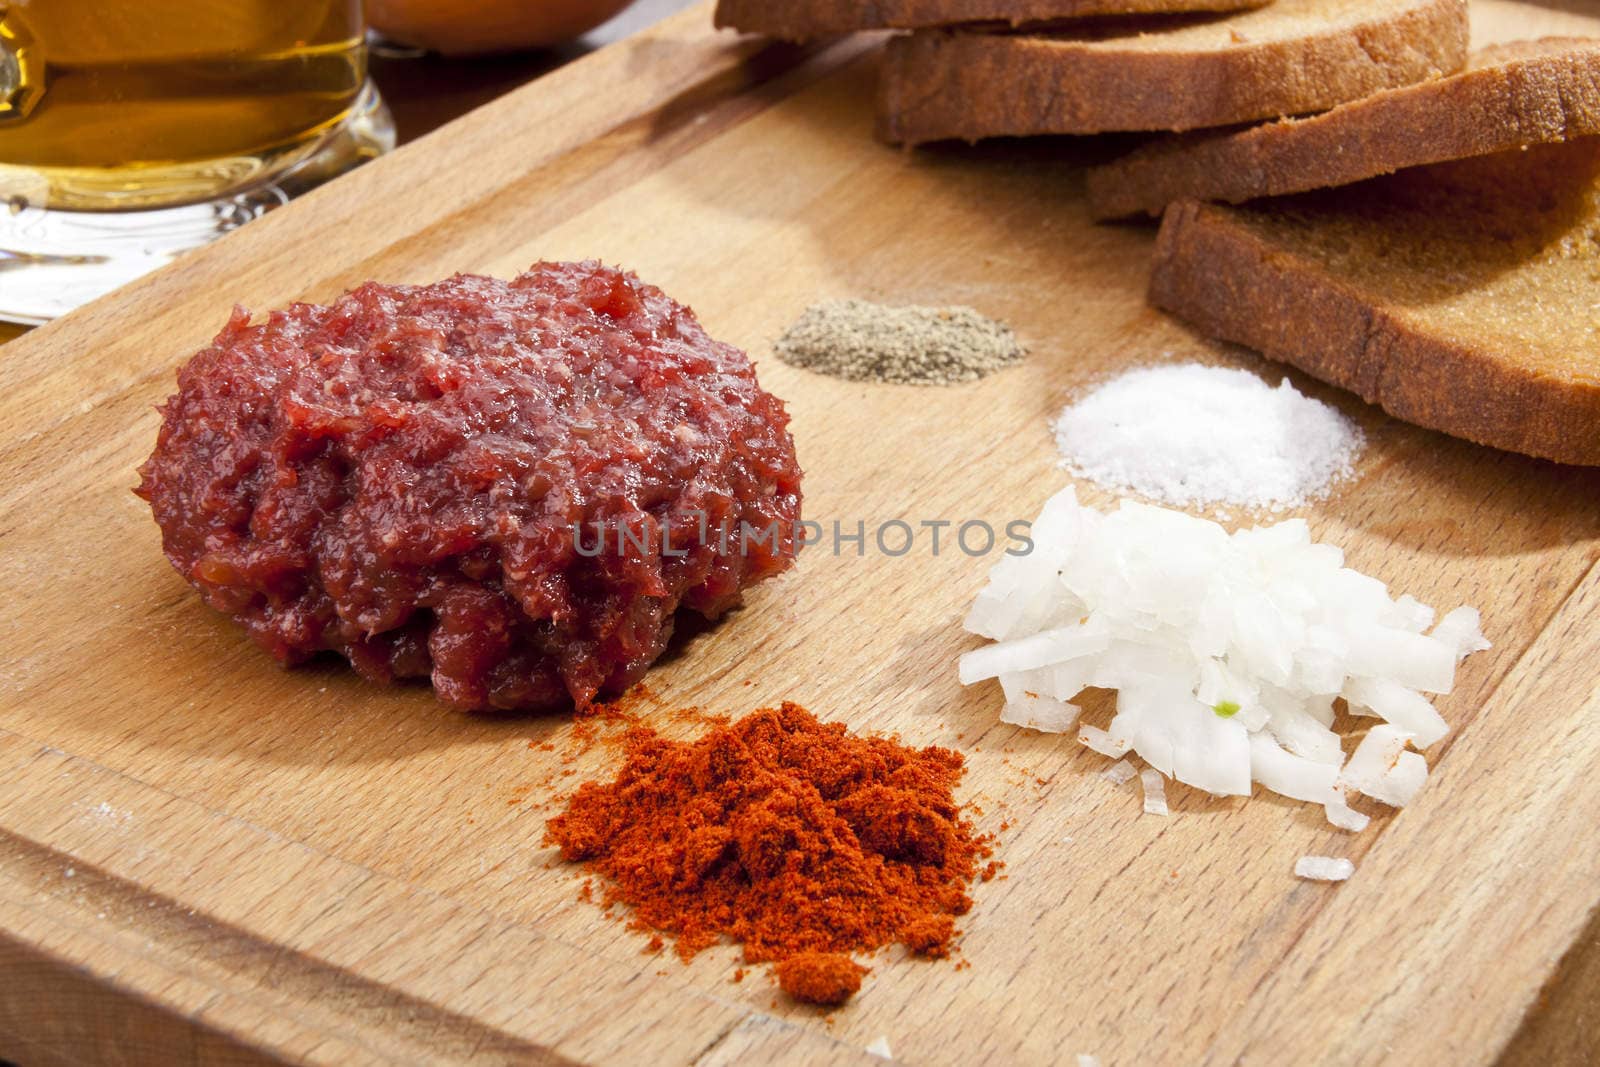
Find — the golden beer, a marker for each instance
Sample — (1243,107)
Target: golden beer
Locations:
(117,104)
(133,130)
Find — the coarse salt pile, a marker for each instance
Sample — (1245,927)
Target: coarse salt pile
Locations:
(1188,434)
(1227,652)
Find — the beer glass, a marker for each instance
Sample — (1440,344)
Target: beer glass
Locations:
(131,130)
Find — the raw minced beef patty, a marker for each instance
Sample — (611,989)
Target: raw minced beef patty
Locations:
(397,478)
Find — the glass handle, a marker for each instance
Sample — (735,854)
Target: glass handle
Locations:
(21,67)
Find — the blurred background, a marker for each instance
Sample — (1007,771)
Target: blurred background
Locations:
(427,89)
(132,130)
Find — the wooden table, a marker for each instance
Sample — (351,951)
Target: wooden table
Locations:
(205,859)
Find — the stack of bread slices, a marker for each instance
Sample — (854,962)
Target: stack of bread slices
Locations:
(1341,185)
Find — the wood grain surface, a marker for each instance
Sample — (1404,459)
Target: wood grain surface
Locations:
(204,858)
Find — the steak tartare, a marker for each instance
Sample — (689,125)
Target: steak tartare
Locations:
(405,477)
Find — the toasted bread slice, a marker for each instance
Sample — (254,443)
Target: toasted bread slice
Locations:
(811,19)
(1460,296)
(1511,96)
(1288,58)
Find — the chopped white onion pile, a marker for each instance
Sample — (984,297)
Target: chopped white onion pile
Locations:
(1155,792)
(1227,652)
(1323,868)
(1119,772)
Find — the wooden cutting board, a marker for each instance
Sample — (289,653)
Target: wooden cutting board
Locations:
(206,858)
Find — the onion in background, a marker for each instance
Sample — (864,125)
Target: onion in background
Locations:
(466,27)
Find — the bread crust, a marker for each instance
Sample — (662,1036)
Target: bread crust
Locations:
(1531,92)
(833,18)
(1288,58)
(1232,284)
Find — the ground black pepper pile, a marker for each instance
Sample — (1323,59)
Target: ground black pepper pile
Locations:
(862,341)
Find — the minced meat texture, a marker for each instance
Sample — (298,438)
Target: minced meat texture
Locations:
(398,477)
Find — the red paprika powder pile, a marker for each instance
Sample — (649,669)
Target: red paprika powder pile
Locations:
(783,832)
(827,978)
